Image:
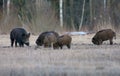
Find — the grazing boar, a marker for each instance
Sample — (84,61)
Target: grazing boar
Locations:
(40,39)
(49,39)
(20,36)
(63,40)
(103,35)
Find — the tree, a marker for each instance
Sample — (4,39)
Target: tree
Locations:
(83,9)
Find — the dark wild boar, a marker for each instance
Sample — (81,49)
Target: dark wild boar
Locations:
(103,35)
(40,39)
(63,40)
(20,36)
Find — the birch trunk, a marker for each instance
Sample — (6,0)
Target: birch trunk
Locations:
(83,9)
(8,7)
(61,12)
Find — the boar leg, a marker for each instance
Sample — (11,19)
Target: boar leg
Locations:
(12,42)
(68,45)
(111,41)
(61,46)
(15,43)
(21,44)
(50,45)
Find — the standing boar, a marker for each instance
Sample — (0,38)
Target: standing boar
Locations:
(49,39)
(20,36)
(103,35)
(63,40)
(40,39)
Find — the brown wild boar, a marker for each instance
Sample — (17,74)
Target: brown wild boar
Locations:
(49,40)
(41,37)
(63,40)
(103,35)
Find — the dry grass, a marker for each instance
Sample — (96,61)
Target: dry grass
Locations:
(83,59)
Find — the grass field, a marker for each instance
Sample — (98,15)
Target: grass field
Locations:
(83,59)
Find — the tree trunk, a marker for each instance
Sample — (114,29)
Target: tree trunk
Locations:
(91,15)
(61,12)
(83,9)
(8,7)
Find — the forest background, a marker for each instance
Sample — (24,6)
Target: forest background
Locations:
(42,15)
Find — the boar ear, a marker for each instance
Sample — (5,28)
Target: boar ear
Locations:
(28,34)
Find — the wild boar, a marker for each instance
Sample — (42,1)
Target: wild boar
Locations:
(40,39)
(103,35)
(63,40)
(49,40)
(20,36)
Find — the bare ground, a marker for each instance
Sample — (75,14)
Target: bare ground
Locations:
(83,59)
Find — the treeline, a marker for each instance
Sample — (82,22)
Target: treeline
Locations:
(97,14)
(37,15)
